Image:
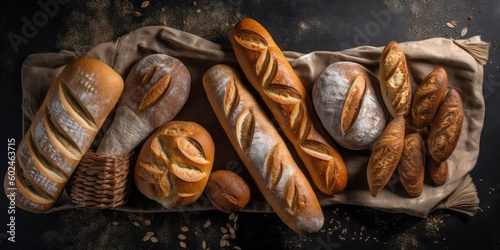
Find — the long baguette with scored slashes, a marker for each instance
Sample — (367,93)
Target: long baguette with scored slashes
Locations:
(75,107)
(273,77)
(263,151)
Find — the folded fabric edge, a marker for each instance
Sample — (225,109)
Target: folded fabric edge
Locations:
(475,47)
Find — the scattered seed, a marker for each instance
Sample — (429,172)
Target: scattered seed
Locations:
(236,248)
(470,17)
(144,4)
(181,237)
(204,244)
(184,22)
(224,243)
(232,216)
(146,238)
(207,224)
(225,236)
(236,217)
(136,223)
(223,230)
(137,14)
(150,233)
(464,31)
(455,23)
(194,3)
(232,232)
(197,11)
(182,244)
(450,25)
(115,223)
(184,229)
(147,222)
(154,239)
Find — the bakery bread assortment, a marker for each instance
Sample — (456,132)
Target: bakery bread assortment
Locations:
(175,163)
(348,105)
(75,107)
(269,72)
(227,191)
(415,133)
(262,150)
(156,89)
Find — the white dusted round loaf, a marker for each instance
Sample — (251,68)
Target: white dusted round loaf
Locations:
(348,105)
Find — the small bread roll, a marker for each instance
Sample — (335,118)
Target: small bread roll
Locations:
(411,167)
(348,106)
(386,155)
(227,191)
(174,164)
(446,127)
(394,80)
(428,96)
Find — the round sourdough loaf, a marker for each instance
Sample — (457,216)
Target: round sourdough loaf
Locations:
(348,105)
(174,164)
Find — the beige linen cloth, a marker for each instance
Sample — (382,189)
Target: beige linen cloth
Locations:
(462,59)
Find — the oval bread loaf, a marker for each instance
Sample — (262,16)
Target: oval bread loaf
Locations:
(269,72)
(348,106)
(438,171)
(428,95)
(75,107)
(394,80)
(227,191)
(411,168)
(386,155)
(446,127)
(174,164)
(156,89)
(263,151)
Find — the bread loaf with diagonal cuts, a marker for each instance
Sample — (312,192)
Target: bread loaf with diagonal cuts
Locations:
(263,151)
(269,72)
(75,107)
(156,89)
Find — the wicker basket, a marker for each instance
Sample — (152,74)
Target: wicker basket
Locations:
(102,181)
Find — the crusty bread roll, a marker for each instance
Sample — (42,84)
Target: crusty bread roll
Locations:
(394,80)
(227,191)
(263,151)
(174,164)
(411,168)
(446,127)
(74,109)
(427,98)
(438,171)
(348,106)
(386,155)
(156,89)
(269,72)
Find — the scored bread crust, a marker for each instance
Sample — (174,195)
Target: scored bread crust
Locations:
(428,95)
(75,107)
(386,154)
(394,80)
(269,72)
(174,164)
(263,151)
(156,89)
(411,167)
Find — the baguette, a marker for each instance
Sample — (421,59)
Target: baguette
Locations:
(263,151)
(427,97)
(156,89)
(75,107)
(394,80)
(446,127)
(386,154)
(269,72)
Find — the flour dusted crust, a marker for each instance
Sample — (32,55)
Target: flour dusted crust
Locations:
(75,107)
(348,106)
(263,151)
(156,89)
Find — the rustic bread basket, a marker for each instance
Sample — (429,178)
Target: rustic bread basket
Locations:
(102,182)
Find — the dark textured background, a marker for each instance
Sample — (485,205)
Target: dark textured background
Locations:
(296,25)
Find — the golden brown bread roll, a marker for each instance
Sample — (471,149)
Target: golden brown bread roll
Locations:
(156,89)
(438,171)
(75,107)
(269,72)
(386,155)
(227,191)
(411,168)
(394,80)
(348,106)
(427,98)
(446,127)
(263,151)
(174,164)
